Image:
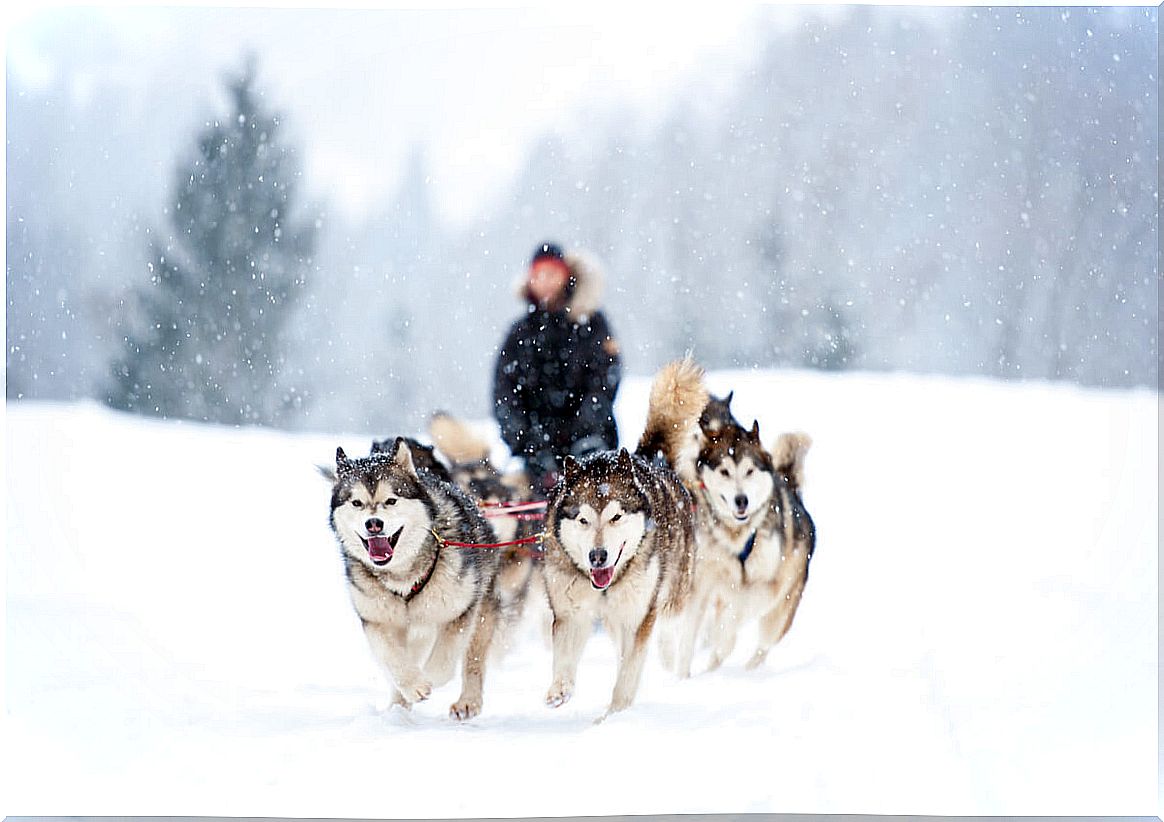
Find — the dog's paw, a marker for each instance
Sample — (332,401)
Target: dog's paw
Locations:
(756,661)
(417,690)
(464,709)
(559,694)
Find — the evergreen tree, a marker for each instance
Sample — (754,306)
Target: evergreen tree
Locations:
(223,284)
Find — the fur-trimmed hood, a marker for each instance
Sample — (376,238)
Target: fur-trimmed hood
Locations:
(584,292)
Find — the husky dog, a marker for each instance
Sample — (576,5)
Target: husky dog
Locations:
(757,557)
(717,415)
(423,604)
(423,456)
(619,545)
(473,472)
(755,535)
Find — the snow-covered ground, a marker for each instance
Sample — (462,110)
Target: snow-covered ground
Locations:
(978,636)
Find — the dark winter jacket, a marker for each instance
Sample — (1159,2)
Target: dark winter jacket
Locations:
(556,377)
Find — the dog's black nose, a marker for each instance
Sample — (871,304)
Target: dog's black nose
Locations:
(597,557)
(742,502)
(374,526)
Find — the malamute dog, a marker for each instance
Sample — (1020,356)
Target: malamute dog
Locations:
(755,535)
(474,473)
(424,605)
(423,456)
(619,544)
(717,415)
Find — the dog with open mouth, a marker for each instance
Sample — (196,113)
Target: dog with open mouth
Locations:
(424,605)
(620,546)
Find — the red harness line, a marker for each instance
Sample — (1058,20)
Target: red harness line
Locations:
(513,510)
(514,506)
(523,541)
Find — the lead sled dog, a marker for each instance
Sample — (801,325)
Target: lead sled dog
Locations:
(424,605)
(620,545)
(755,535)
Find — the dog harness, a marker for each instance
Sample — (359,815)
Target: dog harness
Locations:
(748,546)
(416,588)
(743,555)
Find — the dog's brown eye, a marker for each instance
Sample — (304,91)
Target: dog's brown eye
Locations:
(583,521)
(390,501)
(750,472)
(357,504)
(723,471)
(616,518)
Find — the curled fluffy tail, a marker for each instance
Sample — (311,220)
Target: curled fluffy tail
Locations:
(788,456)
(455,439)
(678,397)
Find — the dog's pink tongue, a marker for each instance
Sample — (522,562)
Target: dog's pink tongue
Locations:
(380,548)
(601,576)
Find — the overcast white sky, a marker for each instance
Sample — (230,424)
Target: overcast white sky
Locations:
(362,86)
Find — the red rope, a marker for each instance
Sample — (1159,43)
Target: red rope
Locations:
(516,506)
(523,541)
(490,515)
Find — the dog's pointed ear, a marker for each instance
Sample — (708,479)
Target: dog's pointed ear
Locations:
(343,465)
(624,460)
(754,434)
(380,446)
(402,456)
(570,467)
(728,399)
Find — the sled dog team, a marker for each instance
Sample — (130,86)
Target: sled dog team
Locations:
(699,531)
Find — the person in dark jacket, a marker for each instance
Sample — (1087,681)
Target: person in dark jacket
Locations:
(558,369)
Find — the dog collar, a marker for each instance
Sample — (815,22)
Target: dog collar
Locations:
(748,546)
(416,588)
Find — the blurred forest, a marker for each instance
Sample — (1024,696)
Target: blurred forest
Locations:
(956,191)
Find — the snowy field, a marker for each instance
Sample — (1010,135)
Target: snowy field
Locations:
(978,635)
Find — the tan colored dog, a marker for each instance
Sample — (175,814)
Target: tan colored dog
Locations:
(470,469)
(759,571)
(755,536)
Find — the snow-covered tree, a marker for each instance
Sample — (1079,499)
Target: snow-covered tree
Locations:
(208,344)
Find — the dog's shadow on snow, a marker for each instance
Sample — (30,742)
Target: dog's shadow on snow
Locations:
(677,701)
(426,717)
(524,723)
